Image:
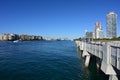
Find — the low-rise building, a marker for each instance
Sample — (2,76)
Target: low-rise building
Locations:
(89,34)
(11,37)
(1,37)
(99,34)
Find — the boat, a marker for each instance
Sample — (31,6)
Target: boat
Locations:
(15,41)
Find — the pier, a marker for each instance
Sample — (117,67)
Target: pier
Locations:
(106,53)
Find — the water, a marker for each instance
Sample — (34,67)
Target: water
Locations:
(44,60)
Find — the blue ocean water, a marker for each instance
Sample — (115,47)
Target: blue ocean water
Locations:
(44,60)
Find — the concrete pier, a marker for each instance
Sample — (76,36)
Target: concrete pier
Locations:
(107,55)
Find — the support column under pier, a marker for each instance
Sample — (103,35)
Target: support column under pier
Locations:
(98,62)
(86,55)
(87,60)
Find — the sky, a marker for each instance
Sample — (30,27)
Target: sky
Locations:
(55,18)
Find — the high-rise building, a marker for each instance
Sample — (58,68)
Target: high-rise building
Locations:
(99,34)
(98,30)
(111,21)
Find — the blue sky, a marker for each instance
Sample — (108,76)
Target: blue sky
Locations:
(55,18)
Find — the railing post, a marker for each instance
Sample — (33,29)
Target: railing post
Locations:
(106,62)
(118,58)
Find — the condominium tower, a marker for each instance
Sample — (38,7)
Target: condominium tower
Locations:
(111,23)
(98,31)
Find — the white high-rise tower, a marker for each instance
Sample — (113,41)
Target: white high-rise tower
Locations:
(111,23)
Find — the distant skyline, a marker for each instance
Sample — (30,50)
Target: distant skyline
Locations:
(55,18)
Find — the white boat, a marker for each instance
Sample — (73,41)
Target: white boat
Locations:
(16,41)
